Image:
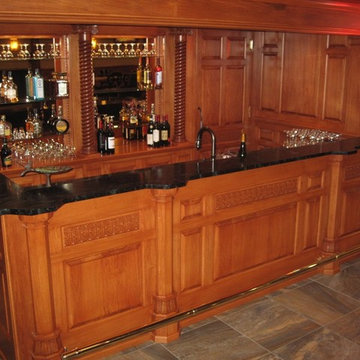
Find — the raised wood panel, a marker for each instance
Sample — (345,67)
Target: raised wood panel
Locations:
(336,59)
(233,103)
(350,219)
(191,259)
(105,284)
(222,78)
(211,94)
(312,224)
(301,74)
(352,94)
(268,232)
(271,58)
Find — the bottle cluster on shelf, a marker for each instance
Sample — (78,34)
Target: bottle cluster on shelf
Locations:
(36,124)
(134,123)
(36,89)
(148,78)
(28,51)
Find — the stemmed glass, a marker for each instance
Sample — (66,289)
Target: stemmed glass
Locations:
(119,51)
(3,52)
(112,51)
(9,54)
(24,52)
(132,49)
(37,52)
(104,51)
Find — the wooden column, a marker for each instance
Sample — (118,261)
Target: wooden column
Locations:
(330,246)
(46,337)
(86,89)
(180,87)
(165,303)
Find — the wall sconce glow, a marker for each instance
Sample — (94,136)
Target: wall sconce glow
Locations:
(93,43)
(14,44)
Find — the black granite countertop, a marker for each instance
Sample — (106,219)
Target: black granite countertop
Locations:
(15,199)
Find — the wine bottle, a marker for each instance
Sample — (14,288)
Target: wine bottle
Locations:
(158,75)
(242,150)
(110,137)
(156,133)
(100,135)
(6,155)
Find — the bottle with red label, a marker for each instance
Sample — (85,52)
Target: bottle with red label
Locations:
(158,72)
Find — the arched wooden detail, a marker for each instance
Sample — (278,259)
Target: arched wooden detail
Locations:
(86,89)
(180,87)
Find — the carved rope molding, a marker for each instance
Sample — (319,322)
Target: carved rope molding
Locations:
(77,234)
(235,198)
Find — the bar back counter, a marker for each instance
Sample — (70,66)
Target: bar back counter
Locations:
(138,255)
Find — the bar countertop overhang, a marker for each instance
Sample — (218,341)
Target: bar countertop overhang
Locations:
(18,200)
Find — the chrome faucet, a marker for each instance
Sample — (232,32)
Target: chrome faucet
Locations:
(199,137)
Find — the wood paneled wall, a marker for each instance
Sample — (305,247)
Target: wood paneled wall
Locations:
(305,80)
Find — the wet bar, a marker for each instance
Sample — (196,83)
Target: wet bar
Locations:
(126,211)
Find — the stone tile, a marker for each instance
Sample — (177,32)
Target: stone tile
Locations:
(348,326)
(198,324)
(215,341)
(320,345)
(152,352)
(318,302)
(268,323)
(347,281)
(289,288)
(270,357)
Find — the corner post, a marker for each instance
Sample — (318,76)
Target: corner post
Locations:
(165,303)
(47,343)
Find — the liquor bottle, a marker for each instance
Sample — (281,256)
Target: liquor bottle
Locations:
(29,86)
(2,125)
(158,75)
(11,92)
(62,86)
(6,155)
(38,86)
(50,122)
(61,125)
(7,130)
(100,135)
(109,137)
(165,131)
(148,85)
(3,86)
(139,75)
(37,124)
(156,133)
(242,150)
(29,125)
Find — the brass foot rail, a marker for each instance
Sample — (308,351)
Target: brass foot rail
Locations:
(190,313)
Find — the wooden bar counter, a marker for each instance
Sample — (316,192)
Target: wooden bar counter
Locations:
(91,259)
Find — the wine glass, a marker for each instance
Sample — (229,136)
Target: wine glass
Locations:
(112,51)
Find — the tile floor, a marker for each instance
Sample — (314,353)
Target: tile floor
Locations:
(315,319)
